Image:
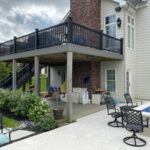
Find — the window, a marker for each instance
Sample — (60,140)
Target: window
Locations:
(110,25)
(131,31)
(110,80)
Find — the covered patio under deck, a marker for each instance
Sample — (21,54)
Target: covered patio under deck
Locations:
(63,44)
(62,55)
(78,110)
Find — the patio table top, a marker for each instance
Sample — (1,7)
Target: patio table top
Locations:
(142,108)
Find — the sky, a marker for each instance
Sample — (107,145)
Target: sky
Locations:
(20,17)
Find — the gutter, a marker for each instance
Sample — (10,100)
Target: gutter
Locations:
(65,17)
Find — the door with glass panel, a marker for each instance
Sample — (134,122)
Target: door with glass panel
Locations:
(110,29)
(128,82)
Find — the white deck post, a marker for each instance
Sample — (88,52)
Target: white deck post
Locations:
(48,80)
(14,82)
(69,85)
(36,74)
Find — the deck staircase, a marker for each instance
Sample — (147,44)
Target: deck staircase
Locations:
(24,74)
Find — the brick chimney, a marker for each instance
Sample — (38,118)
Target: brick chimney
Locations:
(86,12)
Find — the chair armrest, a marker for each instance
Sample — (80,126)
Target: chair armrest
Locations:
(135,103)
(118,107)
(117,110)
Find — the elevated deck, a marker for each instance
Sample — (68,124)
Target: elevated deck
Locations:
(59,39)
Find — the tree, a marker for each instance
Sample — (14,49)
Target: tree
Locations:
(5,69)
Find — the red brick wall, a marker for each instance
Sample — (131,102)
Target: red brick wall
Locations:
(86,12)
(82,70)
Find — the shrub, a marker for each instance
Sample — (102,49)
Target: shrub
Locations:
(4,99)
(46,123)
(27,105)
(20,103)
(38,109)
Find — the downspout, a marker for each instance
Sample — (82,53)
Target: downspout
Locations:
(124,50)
(124,46)
(125,8)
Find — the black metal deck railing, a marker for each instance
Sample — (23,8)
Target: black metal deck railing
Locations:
(68,32)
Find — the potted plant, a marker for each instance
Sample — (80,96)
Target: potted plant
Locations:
(57,110)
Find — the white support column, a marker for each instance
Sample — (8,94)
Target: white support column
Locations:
(48,79)
(14,81)
(36,74)
(69,85)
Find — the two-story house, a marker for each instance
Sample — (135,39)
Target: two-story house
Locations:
(129,21)
(102,40)
(119,19)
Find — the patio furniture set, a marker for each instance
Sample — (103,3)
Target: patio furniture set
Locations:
(132,118)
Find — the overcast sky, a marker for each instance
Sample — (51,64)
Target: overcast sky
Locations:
(20,17)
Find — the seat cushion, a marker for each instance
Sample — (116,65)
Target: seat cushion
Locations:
(3,139)
(134,127)
(116,101)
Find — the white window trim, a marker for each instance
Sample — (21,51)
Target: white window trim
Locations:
(130,48)
(115,79)
(110,23)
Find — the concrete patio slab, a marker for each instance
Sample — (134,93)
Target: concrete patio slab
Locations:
(79,110)
(88,133)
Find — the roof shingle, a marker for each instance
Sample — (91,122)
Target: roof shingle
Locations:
(135,2)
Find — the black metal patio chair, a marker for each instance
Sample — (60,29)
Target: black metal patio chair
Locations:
(113,112)
(130,103)
(4,139)
(134,123)
(124,116)
(129,100)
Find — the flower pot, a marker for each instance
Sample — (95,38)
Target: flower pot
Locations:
(58,113)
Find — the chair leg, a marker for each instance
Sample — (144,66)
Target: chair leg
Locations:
(147,121)
(115,123)
(135,139)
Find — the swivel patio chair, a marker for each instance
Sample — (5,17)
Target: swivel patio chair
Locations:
(130,103)
(113,112)
(129,100)
(106,96)
(3,138)
(134,123)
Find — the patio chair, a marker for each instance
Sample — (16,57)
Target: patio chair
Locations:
(129,100)
(135,124)
(3,138)
(124,116)
(106,96)
(113,112)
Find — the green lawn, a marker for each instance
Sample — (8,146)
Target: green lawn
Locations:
(10,123)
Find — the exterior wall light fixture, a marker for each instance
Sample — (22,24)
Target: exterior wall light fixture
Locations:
(119,22)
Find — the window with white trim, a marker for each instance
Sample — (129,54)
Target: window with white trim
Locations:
(111,80)
(131,30)
(110,25)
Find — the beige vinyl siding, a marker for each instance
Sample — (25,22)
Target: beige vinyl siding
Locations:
(130,54)
(118,67)
(108,9)
(136,61)
(142,75)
